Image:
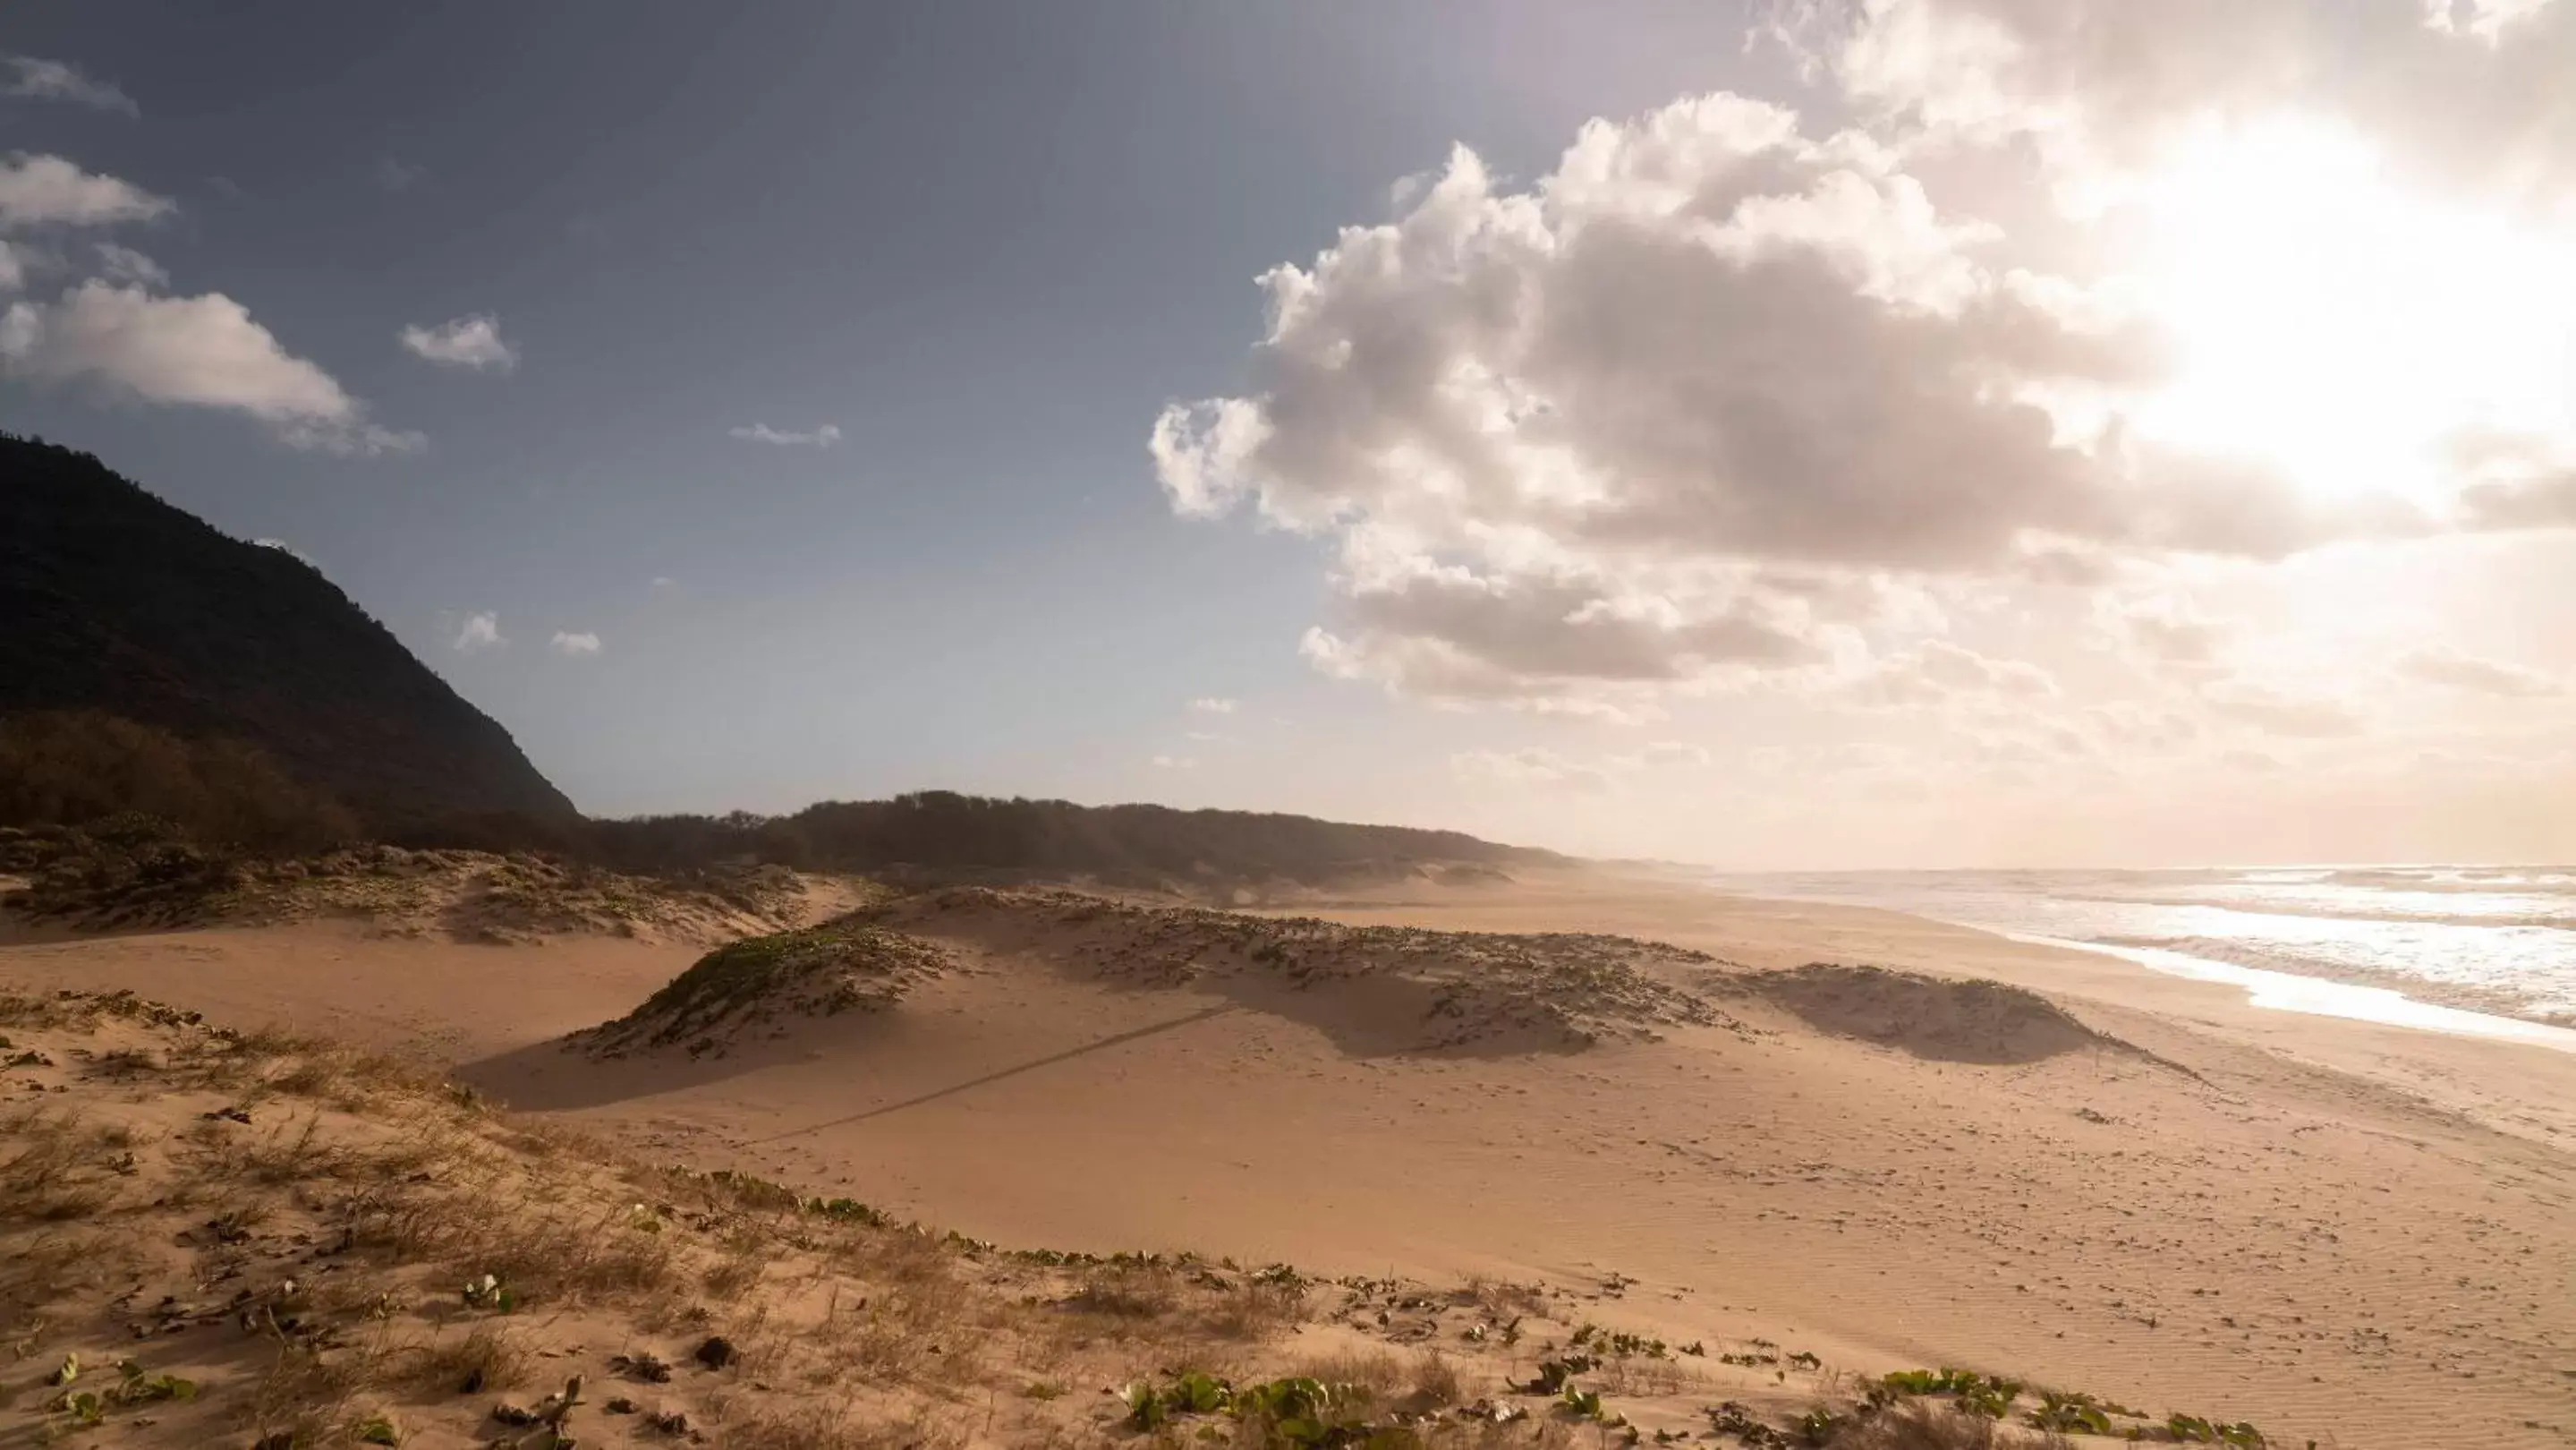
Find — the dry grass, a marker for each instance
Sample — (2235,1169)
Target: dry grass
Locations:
(307,1391)
(1379,1371)
(821,1428)
(1437,1381)
(58,1167)
(1501,1301)
(1923,1425)
(484,1360)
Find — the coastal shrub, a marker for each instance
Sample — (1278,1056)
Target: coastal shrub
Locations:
(84,768)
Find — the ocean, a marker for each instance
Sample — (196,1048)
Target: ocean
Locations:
(2492,940)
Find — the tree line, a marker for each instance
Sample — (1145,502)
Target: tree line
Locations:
(80,768)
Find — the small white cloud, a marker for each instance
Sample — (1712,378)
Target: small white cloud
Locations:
(13,268)
(1936,671)
(283,547)
(1665,755)
(665,581)
(575,642)
(1213,706)
(2447,667)
(1175,762)
(49,191)
(822,437)
(2276,713)
(124,264)
(1203,737)
(1533,766)
(52,80)
(393,176)
(473,341)
(482,631)
(2167,633)
(202,352)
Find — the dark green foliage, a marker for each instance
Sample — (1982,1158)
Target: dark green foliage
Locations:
(1555,1374)
(88,769)
(2193,1430)
(1618,1344)
(1984,1394)
(2071,1414)
(946,835)
(142,865)
(1294,1414)
(818,971)
(113,601)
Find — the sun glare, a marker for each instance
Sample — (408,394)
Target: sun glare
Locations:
(2339,327)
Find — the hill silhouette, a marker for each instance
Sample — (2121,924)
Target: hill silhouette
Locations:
(944,836)
(113,601)
(152,666)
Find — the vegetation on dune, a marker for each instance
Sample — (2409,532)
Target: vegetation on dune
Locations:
(134,870)
(1940,1018)
(1566,989)
(822,971)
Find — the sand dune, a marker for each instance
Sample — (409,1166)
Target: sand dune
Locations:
(2342,1232)
(1931,1017)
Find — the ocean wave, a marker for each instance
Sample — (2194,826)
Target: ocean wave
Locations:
(2550,999)
(2497,939)
(2448,907)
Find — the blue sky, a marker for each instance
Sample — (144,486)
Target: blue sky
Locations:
(987,242)
(1958,445)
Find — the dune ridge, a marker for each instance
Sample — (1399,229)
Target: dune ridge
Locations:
(1560,991)
(1943,1019)
(768,983)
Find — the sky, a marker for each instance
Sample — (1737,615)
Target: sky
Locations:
(1768,433)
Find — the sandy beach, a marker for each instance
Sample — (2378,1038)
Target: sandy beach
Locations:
(2344,1231)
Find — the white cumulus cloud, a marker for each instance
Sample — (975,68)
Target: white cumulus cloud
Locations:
(1532,766)
(822,437)
(50,191)
(1652,419)
(2468,89)
(31,78)
(464,342)
(1937,671)
(2276,712)
(201,352)
(575,642)
(481,631)
(1697,407)
(124,264)
(2453,669)
(1210,705)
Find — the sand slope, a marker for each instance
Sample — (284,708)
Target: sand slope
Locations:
(2340,1232)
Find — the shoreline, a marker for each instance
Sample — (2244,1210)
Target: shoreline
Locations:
(2311,996)
(2291,983)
